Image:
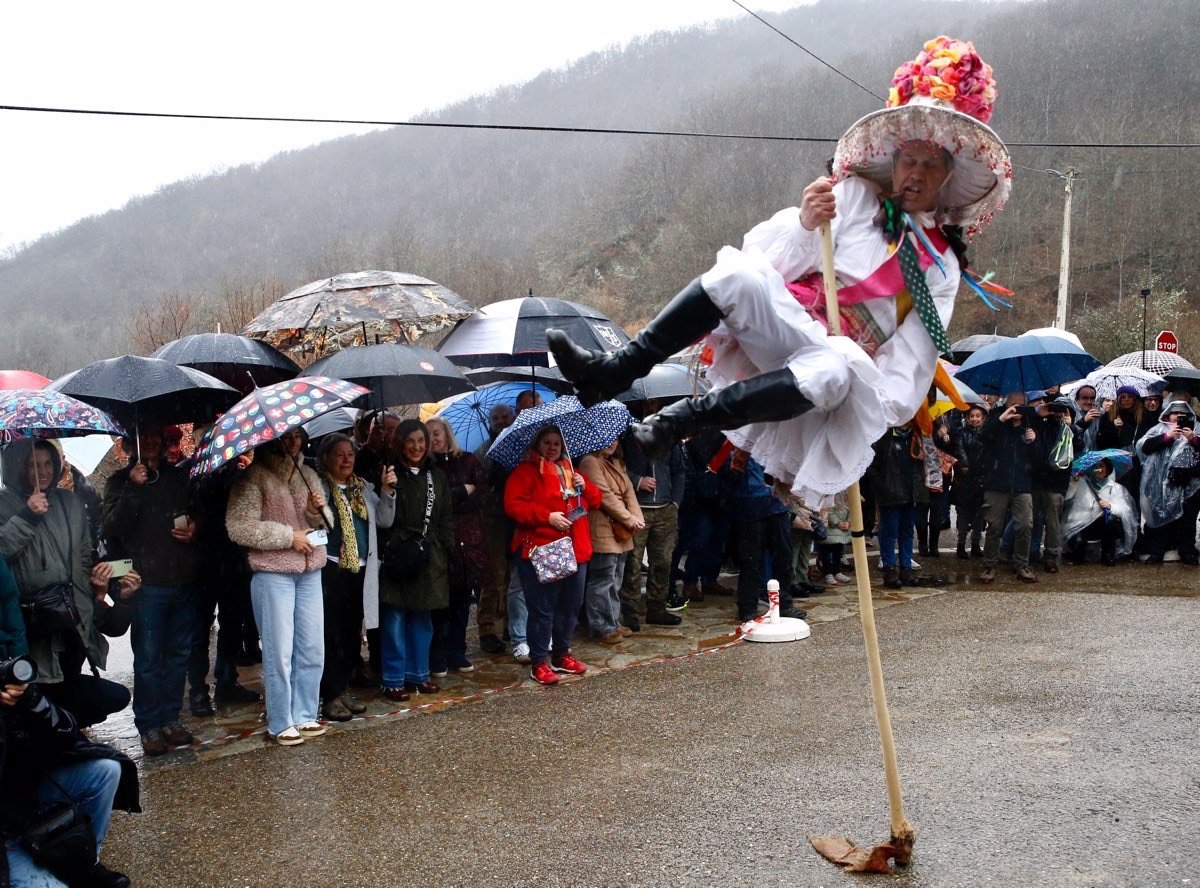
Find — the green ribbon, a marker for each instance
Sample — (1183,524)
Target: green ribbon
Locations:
(914,278)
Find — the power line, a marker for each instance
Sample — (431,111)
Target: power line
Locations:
(415,123)
(807,51)
(550,129)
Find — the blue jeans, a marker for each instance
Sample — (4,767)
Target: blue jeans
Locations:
(518,612)
(164,624)
(896,525)
(92,785)
(603,591)
(291,622)
(404,639)
(553,610)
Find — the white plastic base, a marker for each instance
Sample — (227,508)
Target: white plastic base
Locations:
(782,629)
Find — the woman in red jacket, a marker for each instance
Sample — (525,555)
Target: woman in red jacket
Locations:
(548,499)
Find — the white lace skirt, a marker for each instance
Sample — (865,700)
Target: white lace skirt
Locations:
(825,450)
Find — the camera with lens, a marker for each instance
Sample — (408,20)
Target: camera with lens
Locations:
(1185,421)
(18,671)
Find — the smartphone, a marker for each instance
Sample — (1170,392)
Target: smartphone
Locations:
(318,537)
(181,522)
(121,567)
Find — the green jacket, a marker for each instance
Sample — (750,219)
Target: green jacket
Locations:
(37,548)
(430,589)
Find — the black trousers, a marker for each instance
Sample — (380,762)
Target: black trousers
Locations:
(756,541)
(342,595)
(90,698)
(449,645)
(225,594)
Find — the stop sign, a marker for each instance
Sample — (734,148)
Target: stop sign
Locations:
(1167,342)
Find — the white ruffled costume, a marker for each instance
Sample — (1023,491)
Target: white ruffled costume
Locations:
(856,397)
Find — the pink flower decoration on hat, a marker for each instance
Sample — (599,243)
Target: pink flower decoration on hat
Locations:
(951,71)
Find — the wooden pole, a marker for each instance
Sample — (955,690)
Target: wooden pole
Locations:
(903,834)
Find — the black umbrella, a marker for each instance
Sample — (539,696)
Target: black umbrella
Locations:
(666,382)
(550,377)
(396,374)
(239,361)
(134,390)
(513,332)
(1185,379)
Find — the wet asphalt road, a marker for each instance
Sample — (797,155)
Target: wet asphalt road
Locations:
(1044,739)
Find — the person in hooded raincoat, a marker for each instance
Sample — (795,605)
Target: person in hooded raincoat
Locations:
(1097,507)
(1170,484)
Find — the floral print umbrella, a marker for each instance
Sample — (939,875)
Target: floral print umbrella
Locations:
(37,413)
(268,413)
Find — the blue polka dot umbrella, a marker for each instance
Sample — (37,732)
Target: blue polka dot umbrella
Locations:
(268,413)
(584,429)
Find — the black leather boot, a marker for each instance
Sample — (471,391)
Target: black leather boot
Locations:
(598,376)
(771,397)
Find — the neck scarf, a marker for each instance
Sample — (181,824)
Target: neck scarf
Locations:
(348,504)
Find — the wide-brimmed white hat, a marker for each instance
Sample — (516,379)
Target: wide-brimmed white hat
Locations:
(944,96)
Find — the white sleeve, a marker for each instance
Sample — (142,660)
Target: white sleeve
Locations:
(793,250)
(908,359)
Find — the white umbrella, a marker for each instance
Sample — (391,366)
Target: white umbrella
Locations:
(1106,380)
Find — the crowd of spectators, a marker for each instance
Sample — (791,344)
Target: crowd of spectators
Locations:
(303,550)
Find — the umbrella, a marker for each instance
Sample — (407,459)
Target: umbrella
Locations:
(665,382)
(1185,378)
(1155,361)
(268,413)
(1055,331)
(37,413)
(87,452)
(238,361)
(132,389)
(1024,364)
(1122,461)
(514,332)
(964,348)
(366,305)
(468,415)
(1106,380)
(549,377)
(397,374)
(334,421)
(584,429)
(22,379)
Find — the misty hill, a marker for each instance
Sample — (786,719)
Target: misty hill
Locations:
(622,221)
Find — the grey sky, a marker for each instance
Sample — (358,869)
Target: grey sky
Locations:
(361,60)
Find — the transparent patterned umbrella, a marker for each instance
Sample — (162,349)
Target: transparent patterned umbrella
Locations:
(1155,361)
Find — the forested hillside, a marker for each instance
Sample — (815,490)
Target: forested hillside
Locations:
(623,221)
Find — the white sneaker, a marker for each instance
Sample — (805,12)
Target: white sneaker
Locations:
(830,580)
(521,653)
(311,729)
(842,578)
(916,565)
(287,737)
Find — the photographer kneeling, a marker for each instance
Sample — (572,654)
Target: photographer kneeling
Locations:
(59,789)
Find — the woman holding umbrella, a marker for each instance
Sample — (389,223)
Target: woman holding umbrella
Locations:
(272,513)
(547,499)
(350,579)
(414,581)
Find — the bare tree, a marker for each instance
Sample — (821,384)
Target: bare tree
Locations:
(167,318)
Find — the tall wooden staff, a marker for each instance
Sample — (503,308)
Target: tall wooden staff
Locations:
(903,834)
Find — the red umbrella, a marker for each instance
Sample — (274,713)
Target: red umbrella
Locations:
(21,379)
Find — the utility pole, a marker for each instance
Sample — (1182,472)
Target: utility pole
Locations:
(1064,268)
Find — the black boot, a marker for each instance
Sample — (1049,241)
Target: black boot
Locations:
(771,397)
(962,548)
(598,376)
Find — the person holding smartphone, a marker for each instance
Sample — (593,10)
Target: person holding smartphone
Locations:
(278,514)
(146,518)
(1007,461)
(46,540)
